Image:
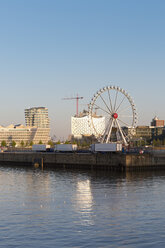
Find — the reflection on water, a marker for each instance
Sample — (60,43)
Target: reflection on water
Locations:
(84,201)
(58,208)
(84,195)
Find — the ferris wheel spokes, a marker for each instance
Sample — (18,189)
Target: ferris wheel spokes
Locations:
(105,104)
(121,103)
(117,109)
(126,116)
(102,109)
(110,101)
(126,124)
(124,109)
(115,101)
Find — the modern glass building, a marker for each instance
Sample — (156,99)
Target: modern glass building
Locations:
(37,116)
(80,126)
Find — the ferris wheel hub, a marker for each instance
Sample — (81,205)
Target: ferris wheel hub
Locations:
(115,115)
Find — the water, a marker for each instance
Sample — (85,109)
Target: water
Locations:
(58,208)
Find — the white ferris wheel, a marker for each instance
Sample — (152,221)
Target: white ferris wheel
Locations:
(119,111)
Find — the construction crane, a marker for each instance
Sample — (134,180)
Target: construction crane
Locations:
(77,98)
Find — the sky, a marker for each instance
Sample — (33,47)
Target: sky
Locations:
(52,49)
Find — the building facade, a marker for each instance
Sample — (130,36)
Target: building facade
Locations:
(23,135)
(37,117)
(37,129)
(156,122)
(148,133)
(81,126)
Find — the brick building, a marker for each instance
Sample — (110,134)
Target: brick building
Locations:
(157,123)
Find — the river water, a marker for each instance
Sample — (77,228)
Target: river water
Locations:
(64,208)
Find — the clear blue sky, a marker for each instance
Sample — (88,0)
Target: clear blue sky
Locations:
(50,49)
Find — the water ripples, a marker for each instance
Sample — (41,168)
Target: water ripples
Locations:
(81,209)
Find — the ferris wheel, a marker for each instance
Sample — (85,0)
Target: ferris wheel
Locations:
(117,108)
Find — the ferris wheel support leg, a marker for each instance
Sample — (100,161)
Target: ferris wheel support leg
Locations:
(106,131)
(110,130)
(122,135)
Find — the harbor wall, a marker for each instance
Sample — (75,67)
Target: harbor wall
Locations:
(145,161)
(85,160)
(110,161)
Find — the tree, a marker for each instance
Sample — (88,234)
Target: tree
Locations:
(31,143)
(3,143)
(40,142)
(27,143)
(158,142)
(50,142)
(84,144)
(13,143)
(154,142)
(22,143)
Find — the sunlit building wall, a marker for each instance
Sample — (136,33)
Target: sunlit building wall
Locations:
(82,126)
(21,133)
(37,116)
(156,122)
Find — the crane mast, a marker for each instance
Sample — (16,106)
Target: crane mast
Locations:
(77,98)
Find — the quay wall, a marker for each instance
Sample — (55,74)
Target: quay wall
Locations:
(111,161)
(145,161)
(85,160)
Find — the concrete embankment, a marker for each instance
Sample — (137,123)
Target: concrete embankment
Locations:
(108,161)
